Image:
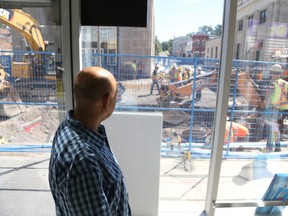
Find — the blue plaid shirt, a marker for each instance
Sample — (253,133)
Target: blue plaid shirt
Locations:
(84,176)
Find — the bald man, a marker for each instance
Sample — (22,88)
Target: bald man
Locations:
(84,177)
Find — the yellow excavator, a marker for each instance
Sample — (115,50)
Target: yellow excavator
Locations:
(30,71)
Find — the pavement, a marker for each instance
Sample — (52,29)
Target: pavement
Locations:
(25,190)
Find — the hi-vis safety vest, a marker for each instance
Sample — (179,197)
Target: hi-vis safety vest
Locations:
(279,98)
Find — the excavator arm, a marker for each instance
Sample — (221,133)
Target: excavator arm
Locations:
(31,77)
(26,25)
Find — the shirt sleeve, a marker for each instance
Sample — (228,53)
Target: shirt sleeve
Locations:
(84,192)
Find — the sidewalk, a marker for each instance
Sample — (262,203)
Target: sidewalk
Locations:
(25,190)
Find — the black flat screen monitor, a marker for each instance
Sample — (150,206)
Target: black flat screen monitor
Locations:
(125,13)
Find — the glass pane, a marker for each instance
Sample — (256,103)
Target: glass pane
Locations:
(31,98)
(257,105)
(185,90)
(31,84)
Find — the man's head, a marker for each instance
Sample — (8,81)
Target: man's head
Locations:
(95,91)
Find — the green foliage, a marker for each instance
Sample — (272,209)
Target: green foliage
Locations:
(206,29)
(212,32)
(167,46)
(164,46)
(218,30)
(158,46)
(190,35)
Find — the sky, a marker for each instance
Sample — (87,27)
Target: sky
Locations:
(175,18)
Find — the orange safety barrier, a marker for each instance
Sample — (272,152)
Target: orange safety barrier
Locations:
(237,130)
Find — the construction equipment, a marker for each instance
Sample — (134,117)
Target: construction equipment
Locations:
(30,77)
(180,95)
(177,91)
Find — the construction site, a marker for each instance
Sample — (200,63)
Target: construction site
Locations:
(187,118)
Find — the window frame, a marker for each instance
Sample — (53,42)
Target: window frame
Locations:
(262,16)
(240,25)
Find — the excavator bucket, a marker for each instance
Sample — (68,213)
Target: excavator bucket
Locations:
(9,102)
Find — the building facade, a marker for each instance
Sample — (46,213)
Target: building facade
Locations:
(182,46)
(213,48)
(199,44)
(261,34)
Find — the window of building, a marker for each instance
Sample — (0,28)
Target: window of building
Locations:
(240,25)
(263,16)
(238,50)
(211,52)
(203,43)
(250,21)
(108,44)
(258,55)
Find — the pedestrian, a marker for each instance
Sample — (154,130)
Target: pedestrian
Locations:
(134,69)
(140,68)
(155,81)
(199,91)
(275,101)
(84,176)
(179,141)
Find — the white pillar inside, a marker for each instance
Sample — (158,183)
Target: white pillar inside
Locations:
(135,139)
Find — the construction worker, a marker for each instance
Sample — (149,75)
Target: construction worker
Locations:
(172,72)
(178,76)
(134,69)
(186,73)
(155,81)
(275,102)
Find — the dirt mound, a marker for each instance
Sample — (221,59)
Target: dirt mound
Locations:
(36,125)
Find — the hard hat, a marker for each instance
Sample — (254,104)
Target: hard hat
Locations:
(199,68)
(174,65)
(276,68)
(180,68)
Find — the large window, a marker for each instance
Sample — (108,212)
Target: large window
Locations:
(31,55)
(32,102)
(217,152)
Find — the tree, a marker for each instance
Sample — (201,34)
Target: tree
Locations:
(206,29)
(191,34)
(158,46)
(212,32)
(218,30)
(167,46)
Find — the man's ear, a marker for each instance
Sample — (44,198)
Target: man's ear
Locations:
(106,101)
